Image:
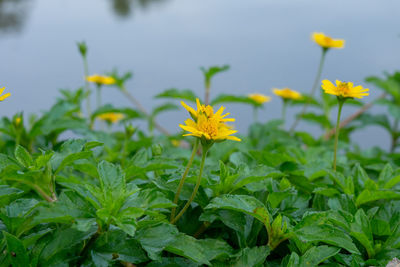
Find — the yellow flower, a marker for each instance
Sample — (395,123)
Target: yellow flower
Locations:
(344,89)
(207,125)
(99,79)
(287,93)
(18,121)
(176,143)
(259,98)
(111,117)
(2,97)
(327,41)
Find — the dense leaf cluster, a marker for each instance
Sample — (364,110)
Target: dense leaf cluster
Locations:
(104,198)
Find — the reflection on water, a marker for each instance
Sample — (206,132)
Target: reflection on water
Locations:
(125,8)
(13,14)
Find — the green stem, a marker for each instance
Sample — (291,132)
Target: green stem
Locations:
(341,102)
(98,100)
(196,187)
(255,114)
(313,89)
(207,96)
(284,105)
(87,88)
(182,181)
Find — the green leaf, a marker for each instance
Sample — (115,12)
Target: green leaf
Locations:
(385,175)
(188,247)
(185,94)
(321,120)
(362,231)
(8,193)
(316,255)
(211,72)
(368,195)
(63,240)
(116,244)
(23,156)
(155,238)
(253,256)
(162,108)
(242,203)
(68,160)
(327,234)
(224,98)
(17,254)
(112,183)
(215,249)
(392,182)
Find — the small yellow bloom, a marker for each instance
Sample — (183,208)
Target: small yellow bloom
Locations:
(344,89)
(111,117)
(327,41)
(207,125)
(18,121)
(99,79)
(2,97)
(287,93)
(259,98)
(176,143)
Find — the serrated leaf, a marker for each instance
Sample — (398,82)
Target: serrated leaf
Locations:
(327,234)
(368,195)
(23,156)
(316,255)
(242,203)
(188,247)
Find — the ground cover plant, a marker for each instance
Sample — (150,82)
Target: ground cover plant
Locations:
(82,185)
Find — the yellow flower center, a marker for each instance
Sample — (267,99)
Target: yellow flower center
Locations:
(343,88)
(208,126)
(328,39)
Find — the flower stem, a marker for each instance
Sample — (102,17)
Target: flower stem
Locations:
(87,89)
(341,102)
(314,87)
(207,95)
(255,114)
(182,181)
(284,105)
(196,187)
(98,90)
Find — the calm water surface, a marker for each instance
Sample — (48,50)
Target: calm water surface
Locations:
(164,42)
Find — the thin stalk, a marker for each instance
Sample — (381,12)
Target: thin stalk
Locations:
(353,116)
(196,187)
(182,181)
(207,96)
(313,89)
(98,99)
(202,229)
(255,114)
(341,102)
(284,105)
(87,88)
(136,103)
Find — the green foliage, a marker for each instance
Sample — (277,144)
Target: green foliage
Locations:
(73,193)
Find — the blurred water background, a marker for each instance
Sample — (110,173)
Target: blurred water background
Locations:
(164,42)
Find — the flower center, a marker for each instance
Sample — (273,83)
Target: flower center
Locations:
(328,39)
(343,88)
(208,126)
